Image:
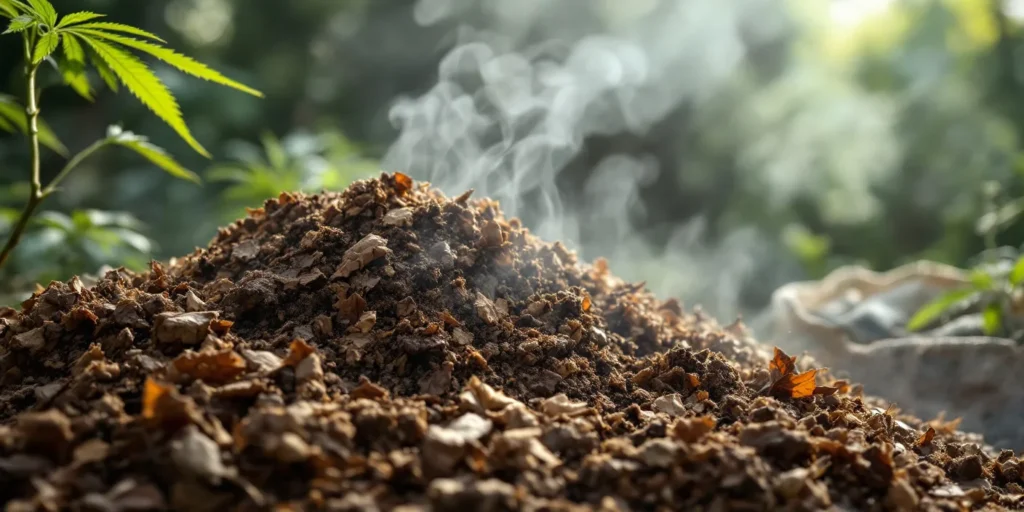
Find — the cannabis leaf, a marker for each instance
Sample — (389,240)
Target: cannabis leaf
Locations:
(19,24)
(70,43)
(81,37)
(155,154)
(934,309)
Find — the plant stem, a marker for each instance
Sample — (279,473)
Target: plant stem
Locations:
(38,193)
(70,166)
(36,196)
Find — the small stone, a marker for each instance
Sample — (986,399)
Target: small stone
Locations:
(398,217)
(195,454)
(33,340)
(184,328)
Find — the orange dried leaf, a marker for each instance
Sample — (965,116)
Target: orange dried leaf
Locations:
(298,351)
(162,405)
(691,430)
(403,183)
(213,367)
(450,320)
(220,327)
(796,385)
(693,380)
(782,363)
(82,314)
(586,302)
(925,438)
(464,197)
(152,393)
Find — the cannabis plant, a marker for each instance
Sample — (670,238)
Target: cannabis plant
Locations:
(300,161)
(69,45)
(995,291)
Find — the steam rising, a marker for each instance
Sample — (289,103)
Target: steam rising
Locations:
(518,97)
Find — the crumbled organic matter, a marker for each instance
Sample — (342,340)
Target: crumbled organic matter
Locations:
(388,347)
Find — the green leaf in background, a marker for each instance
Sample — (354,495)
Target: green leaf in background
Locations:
(934,309)
(982,280)
(992,319)
(153,153)
(12,112)
(1001,217)
(1017,274)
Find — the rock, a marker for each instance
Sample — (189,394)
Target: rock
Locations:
(183,328)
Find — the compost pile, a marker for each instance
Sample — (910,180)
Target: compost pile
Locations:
(387,347)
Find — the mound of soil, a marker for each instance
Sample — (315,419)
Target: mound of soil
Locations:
(389,347)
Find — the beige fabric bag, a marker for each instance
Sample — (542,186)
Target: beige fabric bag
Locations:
(979,379)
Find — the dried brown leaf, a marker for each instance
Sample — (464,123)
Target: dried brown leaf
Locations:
(403,183)
(364,252)
(214,367)
(297,351)
(485,309)
(926,438)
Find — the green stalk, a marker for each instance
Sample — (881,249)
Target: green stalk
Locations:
(38,193)
(36,196)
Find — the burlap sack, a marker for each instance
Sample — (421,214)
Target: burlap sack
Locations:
(852,321)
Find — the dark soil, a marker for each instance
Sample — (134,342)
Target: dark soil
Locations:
(388,347)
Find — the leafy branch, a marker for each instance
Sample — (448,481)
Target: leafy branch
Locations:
(996,287)
(67,43)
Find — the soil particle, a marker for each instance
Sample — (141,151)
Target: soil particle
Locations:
(387,348)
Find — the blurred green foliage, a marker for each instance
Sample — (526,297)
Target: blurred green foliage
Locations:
(300,162)
(844,141)
(83,240)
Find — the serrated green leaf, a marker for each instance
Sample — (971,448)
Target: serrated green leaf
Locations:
(14,8)
(155,155)
(934,309)
(44,9)
(106,26)
(7,9)
(72,49)
(992,319)
(78,17)
(179,61)
(20,23)
(145,85)
(75,77)
(104,71)
(45,46)
(14,112)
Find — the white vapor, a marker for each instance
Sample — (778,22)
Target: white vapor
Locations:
(529,84)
